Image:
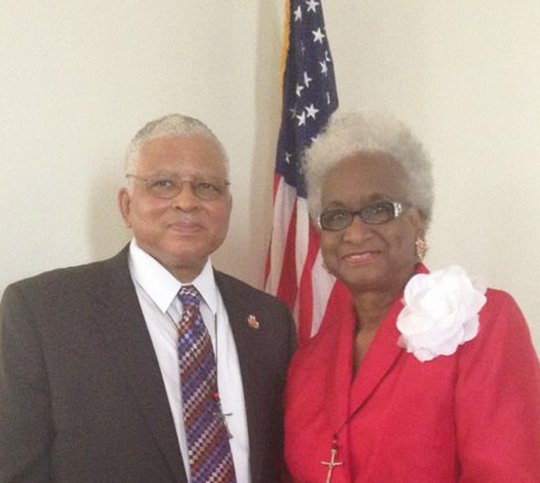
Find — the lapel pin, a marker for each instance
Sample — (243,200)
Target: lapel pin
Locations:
(253,322)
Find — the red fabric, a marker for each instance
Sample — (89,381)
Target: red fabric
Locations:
(473,416)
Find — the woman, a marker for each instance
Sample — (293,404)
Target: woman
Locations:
(413,377)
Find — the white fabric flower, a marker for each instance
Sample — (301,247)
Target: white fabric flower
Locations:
(440,313)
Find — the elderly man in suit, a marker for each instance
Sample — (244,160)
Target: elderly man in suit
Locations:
(151,366)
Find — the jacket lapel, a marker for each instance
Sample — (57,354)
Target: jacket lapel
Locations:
(382,355)
(252,348)
(338,337)
(122,323)
(380,359)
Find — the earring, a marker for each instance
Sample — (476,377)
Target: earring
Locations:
(421,248)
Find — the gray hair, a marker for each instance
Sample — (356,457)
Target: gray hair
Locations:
(172,125)
(348,134)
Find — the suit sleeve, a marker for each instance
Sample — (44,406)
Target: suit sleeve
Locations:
(25,422)
(498,398)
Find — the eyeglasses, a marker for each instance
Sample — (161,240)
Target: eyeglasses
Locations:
(375,213)
(167,186)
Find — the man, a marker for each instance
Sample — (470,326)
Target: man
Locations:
(91,385)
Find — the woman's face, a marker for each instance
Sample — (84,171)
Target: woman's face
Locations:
(370,258)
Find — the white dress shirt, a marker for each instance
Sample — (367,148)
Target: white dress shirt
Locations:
(157,290)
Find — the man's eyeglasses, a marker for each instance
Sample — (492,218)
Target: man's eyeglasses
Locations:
(167,186)
(375,213)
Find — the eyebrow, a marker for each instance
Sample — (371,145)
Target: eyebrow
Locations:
(202,177)
(366,201)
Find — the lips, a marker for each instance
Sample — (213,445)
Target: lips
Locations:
(359,258)
(186,227)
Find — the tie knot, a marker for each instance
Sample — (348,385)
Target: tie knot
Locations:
(189,296)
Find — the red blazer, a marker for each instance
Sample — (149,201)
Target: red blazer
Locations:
(473,416)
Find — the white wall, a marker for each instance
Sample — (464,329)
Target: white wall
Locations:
(78,78)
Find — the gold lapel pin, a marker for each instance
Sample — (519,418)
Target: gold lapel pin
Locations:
(253,322)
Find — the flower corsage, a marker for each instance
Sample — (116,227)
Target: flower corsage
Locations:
(441,312)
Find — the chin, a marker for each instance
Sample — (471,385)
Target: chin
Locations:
(363,282)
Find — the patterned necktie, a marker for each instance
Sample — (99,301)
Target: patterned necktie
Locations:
(210,456)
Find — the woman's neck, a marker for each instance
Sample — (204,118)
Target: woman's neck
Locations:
(372,303)
(371,308)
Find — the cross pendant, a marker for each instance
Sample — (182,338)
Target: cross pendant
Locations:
(332,463)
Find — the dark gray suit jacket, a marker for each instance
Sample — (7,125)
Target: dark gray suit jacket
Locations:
(81,393)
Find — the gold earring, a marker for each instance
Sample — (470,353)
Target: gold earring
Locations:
(421,248)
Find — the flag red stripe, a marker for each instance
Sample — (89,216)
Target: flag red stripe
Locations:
(288,288)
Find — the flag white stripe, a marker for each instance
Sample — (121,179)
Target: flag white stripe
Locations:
(322,283)
(302,237)
(283,210)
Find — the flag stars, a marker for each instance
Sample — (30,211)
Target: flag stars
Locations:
(301,119)
(311,111)
(299,89)
(324,67)
(307,79)
(298,14)
(312,5)
(318,36)
(288,157)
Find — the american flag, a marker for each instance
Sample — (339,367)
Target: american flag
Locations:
(294,270)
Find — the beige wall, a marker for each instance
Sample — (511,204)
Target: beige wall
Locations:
(77,78)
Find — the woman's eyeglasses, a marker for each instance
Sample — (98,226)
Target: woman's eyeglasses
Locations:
(375,213)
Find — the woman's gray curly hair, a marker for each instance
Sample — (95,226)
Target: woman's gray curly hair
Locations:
(351,133)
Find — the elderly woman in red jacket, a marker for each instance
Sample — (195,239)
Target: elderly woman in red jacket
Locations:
(415,376)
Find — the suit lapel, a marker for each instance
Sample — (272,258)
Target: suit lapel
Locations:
(124,329)
(251,350)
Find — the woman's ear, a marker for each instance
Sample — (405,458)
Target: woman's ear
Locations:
(419,222)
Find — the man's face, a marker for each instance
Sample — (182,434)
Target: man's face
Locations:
(180,232)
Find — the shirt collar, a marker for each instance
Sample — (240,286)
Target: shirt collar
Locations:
(161,285)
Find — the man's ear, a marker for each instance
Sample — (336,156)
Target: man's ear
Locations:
(124,204)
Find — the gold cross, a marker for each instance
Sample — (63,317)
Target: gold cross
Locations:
(332,463)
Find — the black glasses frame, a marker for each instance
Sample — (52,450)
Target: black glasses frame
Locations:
(396,208)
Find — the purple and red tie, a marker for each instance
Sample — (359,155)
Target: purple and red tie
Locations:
(210,456)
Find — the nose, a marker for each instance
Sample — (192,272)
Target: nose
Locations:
(357,230)
(185,200)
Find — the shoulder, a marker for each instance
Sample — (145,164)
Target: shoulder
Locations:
(63,281)
(502,322)
(242,301)
(501,312)
(231,287)
(499,299)
(503,336)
